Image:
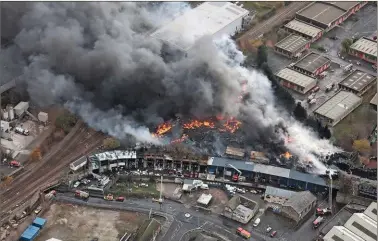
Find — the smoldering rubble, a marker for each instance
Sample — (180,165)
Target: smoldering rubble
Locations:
(98,60)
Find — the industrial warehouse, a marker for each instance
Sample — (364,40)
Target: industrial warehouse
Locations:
(327,15)
(365,49)
(312,64)
(208,19)
(292,46)
(295,80)
(337,107)
(303,29)
(107,161)
(358,82)
(358,227)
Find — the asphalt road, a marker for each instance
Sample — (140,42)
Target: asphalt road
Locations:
(180,224)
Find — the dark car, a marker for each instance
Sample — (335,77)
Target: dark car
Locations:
(334,37)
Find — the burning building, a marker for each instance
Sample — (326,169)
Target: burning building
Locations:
(103,68)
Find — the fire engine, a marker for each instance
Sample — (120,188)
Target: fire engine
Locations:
(244,233)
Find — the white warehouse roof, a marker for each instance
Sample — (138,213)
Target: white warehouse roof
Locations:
(341,233)
(338,105)
(303,28)
(363,226)
(371,211)
(207,19)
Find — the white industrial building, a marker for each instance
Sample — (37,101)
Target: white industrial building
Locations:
(208,19)
(359,227)
(363,226)
(340,233)
(21,108)
(371,211)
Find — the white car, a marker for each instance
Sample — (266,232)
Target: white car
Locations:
(76,184)
(38,210)
(253,191)
(269,229)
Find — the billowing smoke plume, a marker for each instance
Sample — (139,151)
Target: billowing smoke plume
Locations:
(97,59)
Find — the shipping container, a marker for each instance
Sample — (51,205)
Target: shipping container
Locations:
(39,222)
(30,233)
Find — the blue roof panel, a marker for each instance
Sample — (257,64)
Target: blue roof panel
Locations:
(306,177)
(239,164)
(39,221)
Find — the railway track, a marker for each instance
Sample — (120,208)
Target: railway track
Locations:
(80,141)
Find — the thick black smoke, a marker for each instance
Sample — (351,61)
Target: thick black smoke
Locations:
(98,59)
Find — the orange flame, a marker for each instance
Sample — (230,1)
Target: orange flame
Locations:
(162,129)
(287,155)
(181,139)
(196,124)
(231,125)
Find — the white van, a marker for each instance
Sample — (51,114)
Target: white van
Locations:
(256,223)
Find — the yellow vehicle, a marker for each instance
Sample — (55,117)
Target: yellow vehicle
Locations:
(109,197)
(244,233)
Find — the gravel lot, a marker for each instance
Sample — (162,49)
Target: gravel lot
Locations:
(71,223)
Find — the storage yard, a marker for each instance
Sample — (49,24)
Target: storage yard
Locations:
(72,223)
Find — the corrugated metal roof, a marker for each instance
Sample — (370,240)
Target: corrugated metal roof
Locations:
(341,233)
(337,105)
(272,170)
(221,162)
(278,192)
(206,19)
(303,28)
(312,62)
(295,77)
(365,45)
(358,80)
(292,43)
(267,169)
(306,177)
(322,12)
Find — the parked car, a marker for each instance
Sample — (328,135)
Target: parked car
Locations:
(76,184)
(273,234)
(334,37)
(269,229)
(38,210)
(120,199)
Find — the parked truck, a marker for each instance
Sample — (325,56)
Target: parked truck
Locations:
(82,194)
(21,131)
(244,233)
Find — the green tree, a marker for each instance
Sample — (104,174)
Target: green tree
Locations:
(65,121)
(262,55)
(345,45)
(362,146)
(111,143)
